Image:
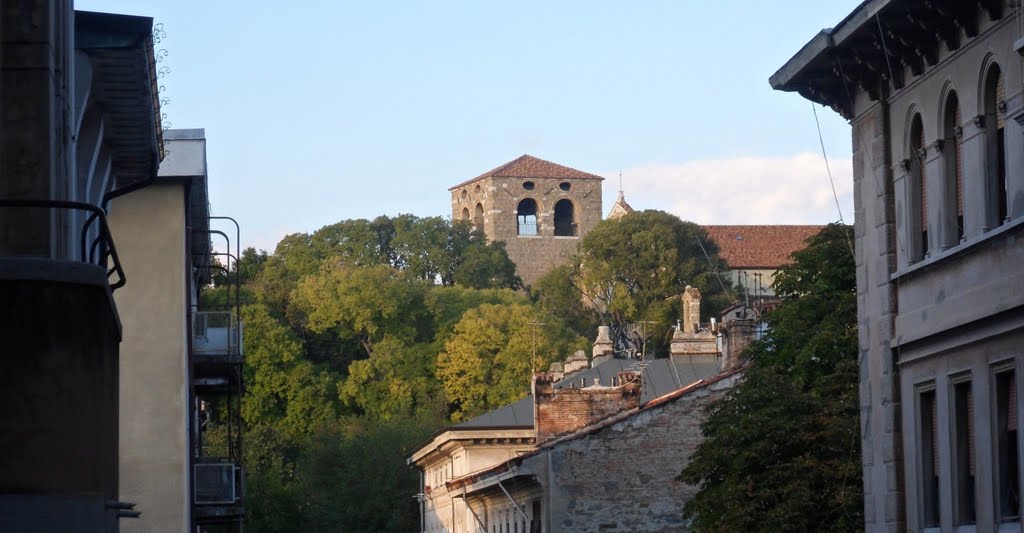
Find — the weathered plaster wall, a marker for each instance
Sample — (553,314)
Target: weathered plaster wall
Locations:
(149,228)
(623,477)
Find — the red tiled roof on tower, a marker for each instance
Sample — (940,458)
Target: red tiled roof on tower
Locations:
(527,166)
(759,246)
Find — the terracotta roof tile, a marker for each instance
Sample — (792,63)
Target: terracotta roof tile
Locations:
(759,246)
(527,166)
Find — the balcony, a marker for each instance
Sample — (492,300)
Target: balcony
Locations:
(217,336)
(219,490)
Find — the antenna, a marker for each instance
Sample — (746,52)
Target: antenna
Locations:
(620,181)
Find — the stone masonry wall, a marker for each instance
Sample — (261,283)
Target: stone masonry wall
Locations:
(875,237)
(498,198)
(623,477)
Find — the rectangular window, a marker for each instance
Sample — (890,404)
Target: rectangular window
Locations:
(963,453)
(1007,461)
(929,454)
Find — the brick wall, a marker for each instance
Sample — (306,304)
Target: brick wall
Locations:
(623,477)
(562,411)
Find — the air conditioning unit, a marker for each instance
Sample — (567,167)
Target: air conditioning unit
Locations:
(215,483)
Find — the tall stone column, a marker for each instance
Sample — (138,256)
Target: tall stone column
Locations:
(33,156)
(935,189)
(1015,158)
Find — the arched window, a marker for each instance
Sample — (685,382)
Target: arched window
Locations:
(465,213)
(954,170)
(918,227)
(565,219)
(478,216)
(995,149)
(526,217)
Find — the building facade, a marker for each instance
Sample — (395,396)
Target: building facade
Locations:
(539,209)
(933,93)
(470,472)
(179,360)
(70,141)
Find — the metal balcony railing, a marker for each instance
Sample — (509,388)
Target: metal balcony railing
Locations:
(96,246)
(218,483)
(216,333)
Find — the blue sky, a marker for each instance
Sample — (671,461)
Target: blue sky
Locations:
(317,111)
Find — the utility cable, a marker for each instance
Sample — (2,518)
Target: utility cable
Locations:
(831,180)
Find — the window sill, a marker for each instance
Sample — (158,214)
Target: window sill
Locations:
(1008,527)
(570,237)
(529,236)
(948,254)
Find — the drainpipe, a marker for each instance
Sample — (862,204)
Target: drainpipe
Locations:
(115,193)
(551,487)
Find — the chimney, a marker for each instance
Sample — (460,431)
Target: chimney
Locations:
(691,309)
(556,370)
(559,412)
(737,333)
(688,340)
(576,362)
(603,346)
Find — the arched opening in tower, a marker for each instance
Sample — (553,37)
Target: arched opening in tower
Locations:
(565,219)
(478,217)
(526,217)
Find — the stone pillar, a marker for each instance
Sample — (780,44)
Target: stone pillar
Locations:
(902,196)
(941,234)
(975,202)
(1015,158)
(34,156)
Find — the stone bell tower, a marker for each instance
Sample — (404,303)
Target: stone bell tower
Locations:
(539,209)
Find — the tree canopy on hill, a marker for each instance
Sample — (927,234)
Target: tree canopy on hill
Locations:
(633,269)
(782,448)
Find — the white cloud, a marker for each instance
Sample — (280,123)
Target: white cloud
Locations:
(745,190)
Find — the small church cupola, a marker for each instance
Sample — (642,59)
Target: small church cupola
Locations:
(620,208)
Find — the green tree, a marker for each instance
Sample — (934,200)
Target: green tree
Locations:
(557,294)
(633,268)
(363,304)
(354,477)
(395,381)
(483,265)
(283,389)
(488,361)
(782,448)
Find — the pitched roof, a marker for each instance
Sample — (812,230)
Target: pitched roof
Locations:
(527,166)
(760,246)
(659,378)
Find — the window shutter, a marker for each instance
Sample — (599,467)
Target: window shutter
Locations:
(1000,97)
(924,187)
(970,429)
(959,164)
(935,436)
(1011,422)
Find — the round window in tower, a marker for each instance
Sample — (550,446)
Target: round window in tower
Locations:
(565,186)
(528,185)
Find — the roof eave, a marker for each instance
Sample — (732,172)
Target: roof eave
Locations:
(106,37)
